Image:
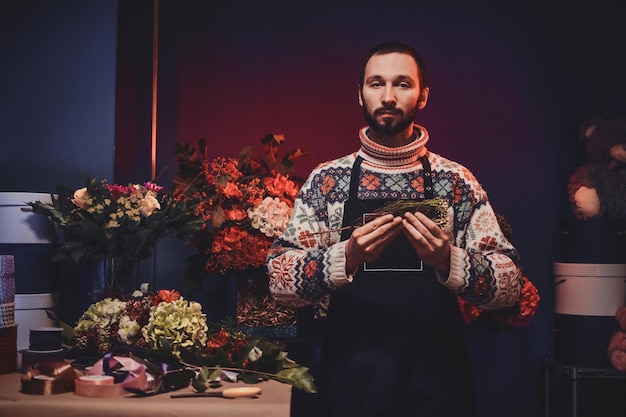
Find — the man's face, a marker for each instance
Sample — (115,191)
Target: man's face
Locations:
(391,94)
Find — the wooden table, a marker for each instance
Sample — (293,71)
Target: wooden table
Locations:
(273,402)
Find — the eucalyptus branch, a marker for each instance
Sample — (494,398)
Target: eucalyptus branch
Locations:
(435,209)
(226,368)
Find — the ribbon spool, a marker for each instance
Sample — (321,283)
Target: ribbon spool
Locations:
(49,377)
(98,386)
(110,376)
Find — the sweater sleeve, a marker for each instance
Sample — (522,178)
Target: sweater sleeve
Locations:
(308,260)
(484,266)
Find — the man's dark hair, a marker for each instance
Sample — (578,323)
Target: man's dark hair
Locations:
(399,47)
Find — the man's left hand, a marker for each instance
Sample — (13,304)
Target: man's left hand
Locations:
(429,241)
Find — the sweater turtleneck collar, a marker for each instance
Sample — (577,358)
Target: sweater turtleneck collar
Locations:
(402,155)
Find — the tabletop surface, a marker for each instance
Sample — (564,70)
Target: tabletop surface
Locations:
(273,402)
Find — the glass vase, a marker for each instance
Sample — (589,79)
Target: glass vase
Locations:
(110,277)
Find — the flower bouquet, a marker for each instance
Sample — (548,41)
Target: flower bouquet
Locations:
(111,221)
(245,203)
(171,337)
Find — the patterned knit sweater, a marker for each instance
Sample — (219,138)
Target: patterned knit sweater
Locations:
(308,261)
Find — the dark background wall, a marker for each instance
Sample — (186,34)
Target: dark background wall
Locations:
(57,100)
(510,84)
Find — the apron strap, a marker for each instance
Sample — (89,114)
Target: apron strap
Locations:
(354,177)
(428,178)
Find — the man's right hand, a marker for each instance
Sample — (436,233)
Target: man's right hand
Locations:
(368,241)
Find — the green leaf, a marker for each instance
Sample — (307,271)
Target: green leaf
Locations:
(199,383)
(153,368)
(273,139)
(299,377)
(178,379)
(162,356)
(203,374)
(249,377)
(215,373)
(190,357)
(67,332)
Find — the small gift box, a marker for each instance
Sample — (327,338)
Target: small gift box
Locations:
(7,291)
(7,315)
(8,329)
(7,279)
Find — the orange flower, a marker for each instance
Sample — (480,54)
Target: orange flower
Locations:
(169,296)
(235,214)
(217,341)
(231,168)
(232,191)
(280,186)
(229,189)
(234,236)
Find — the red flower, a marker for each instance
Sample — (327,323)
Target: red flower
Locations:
(232,191)
(230,188)
(281,186)
(169,296)
(238,344)
(217,341)
(229,239)
(235,214)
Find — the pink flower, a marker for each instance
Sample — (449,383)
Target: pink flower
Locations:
(150,186)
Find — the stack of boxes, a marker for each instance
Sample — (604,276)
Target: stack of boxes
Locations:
(8,328)
(30,239)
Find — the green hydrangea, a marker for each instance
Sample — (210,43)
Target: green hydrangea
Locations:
(101,314)
(95,323)
(180,322)
(128,330)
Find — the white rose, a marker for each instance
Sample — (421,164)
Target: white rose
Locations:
(149,205)
(80,198)
(255,354)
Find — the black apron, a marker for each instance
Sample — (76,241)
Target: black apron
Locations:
(394,340)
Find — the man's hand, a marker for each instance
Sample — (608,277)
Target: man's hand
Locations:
(429,241)
(368,241)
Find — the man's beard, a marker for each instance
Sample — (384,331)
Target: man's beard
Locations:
(389,125)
